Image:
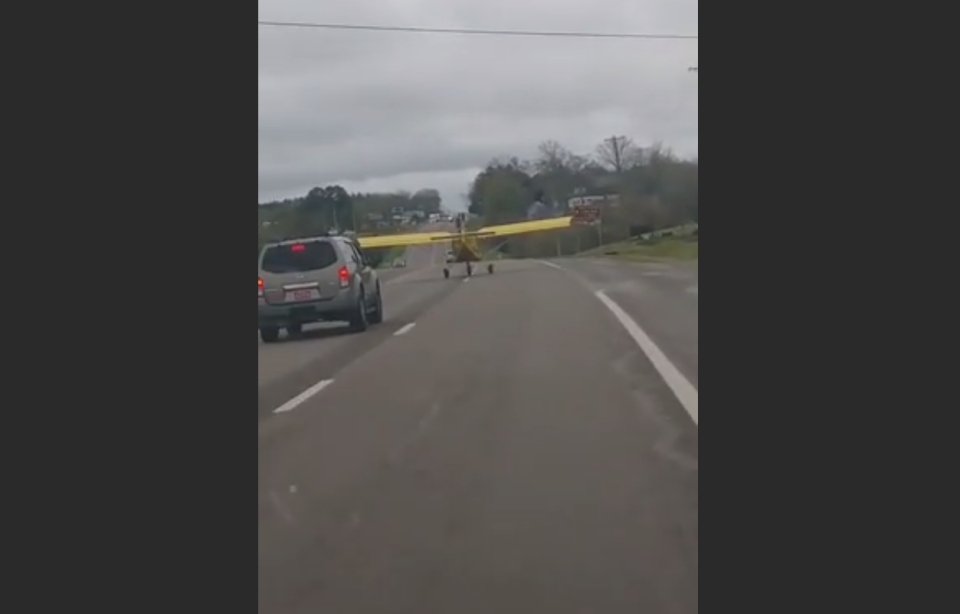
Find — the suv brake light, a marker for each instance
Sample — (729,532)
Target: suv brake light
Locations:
(259,287)
(297,248)
(344,275)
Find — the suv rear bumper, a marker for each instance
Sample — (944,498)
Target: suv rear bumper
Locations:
(339,307)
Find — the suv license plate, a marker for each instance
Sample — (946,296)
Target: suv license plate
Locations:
(302,295)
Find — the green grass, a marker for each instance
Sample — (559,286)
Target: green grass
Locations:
(672,248)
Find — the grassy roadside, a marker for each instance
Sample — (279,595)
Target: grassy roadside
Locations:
(653,250)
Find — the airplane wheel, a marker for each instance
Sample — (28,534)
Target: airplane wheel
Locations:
(490,268)
(446,273)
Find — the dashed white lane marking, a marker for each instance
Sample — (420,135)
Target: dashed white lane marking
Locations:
(282,510)
(466,279)
(304,396)
(694,290)
(406,328)
(400,278)
(428,417)
(550,264)
(688,396)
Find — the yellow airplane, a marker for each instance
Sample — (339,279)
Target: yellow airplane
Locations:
(465,245)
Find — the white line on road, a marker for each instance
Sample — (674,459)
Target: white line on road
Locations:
(688,396)
(550,264)
(399,278)
(304,396)
(406,328)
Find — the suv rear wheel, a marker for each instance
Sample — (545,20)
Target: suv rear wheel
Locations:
(270,334)
(358,320)
(376,316)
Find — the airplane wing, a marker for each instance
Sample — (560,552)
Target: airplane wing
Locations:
(428,238)
(404,240)
(520,228)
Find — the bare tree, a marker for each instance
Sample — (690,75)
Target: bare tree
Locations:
(553,157)
(617,153)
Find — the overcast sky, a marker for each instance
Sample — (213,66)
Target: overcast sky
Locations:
(387,111)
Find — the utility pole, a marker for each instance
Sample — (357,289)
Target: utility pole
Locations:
(600,231)
(693,69)
(617,145)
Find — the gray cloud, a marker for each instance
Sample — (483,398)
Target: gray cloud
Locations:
(380,110)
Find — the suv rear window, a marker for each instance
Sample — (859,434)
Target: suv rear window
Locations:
(313,256)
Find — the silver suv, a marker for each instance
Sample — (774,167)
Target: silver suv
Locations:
(315,279)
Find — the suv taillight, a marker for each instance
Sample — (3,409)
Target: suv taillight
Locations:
(344,275)
(259,287)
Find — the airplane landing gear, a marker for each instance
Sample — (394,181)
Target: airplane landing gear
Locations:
(470,271)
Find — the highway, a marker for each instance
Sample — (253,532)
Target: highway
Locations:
(520,443)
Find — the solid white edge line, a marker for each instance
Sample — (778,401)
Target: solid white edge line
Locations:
(688,396)
(298,400)
(406,328)
(550,264)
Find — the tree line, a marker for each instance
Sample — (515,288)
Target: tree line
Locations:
(638,189)
(333,207)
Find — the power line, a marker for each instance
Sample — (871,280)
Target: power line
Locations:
(419,30)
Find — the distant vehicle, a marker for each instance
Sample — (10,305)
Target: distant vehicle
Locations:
(315,279)
(399,263)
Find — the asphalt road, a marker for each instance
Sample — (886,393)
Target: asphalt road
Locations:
(663,298)
(508,445)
